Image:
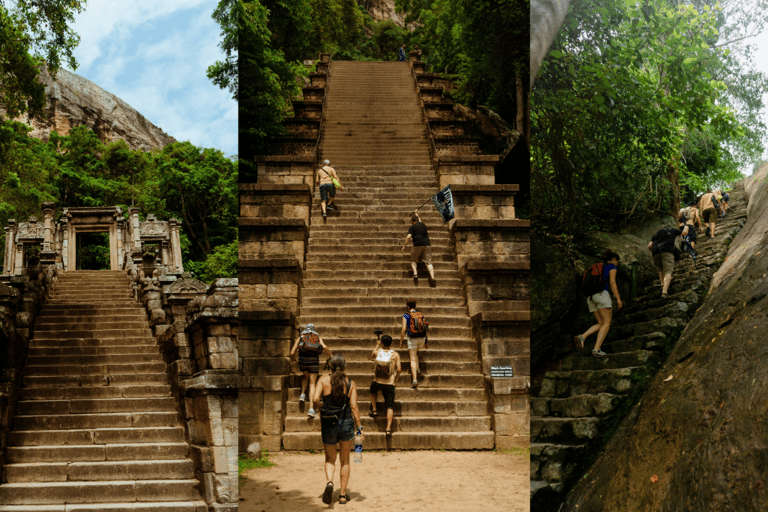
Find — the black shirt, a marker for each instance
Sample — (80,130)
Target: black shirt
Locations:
(664,240)
(419,234)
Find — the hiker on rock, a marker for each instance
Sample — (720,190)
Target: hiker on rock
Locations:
(690,216)
(723,196)
(386,372)
(709,206)
(309,345)
(662,246)
(401,55)
(602,278)
(415,328)
(422,248)
(338,419)
(325,178)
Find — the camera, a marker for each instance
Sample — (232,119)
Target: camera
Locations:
(378,332)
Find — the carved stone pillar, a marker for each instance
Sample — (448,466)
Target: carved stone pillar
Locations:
(10,239)
(18,264)
(64,223)
(176,245)
(119,244)
(47,255)
(135,234)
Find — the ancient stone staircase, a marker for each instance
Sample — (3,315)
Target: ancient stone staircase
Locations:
(357,279)
(579,405)
(96,427)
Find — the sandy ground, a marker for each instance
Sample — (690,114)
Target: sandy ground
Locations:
(424,481)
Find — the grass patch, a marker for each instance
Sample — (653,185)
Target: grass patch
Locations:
(514,451)
(244,462)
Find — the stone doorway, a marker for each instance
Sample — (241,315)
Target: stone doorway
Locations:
(92,251)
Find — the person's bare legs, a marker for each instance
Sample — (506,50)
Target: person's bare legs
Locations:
(390,415)
(304,380)
(605,315)
(431,271)
(322,206)
(666,280)
(712,231)
(312,381)
(413,267)
(373,403)
(595,328)
(330,461)
(661,279)
(414,352)
(345,446)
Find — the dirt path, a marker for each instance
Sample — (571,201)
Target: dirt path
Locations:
(424,481)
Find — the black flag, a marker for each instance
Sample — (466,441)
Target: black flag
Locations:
(444,203)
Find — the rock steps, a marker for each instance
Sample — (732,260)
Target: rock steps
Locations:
(96,427)
(579,401)
(357,278)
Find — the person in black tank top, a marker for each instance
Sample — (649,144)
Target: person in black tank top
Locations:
(338,418)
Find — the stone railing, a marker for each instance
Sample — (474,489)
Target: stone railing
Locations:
(20,300)
(196,327)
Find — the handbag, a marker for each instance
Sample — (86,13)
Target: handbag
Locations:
(336,183)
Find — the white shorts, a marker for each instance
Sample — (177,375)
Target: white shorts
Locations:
(600,300)
(417,343)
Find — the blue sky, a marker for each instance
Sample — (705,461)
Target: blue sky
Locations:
(153,54)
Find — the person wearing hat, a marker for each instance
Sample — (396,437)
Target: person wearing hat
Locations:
(309,346)
(324,177)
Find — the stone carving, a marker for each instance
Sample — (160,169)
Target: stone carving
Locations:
(154,227)
(187,284)
(30,230)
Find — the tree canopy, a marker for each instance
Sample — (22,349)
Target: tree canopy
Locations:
(33,33)
(635,110)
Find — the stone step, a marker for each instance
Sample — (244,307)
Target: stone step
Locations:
(46,329)
(43,471)
(402,282)
(362,353)
(95,333)
(410,408)
(96,453)
(96,405)
(403,424)
(93,421)
(399,440)
(359,345)
(101,369)
(403,273)
(652,341)
(575,406)
(397,294)
(580,382)
(74,343)
(386,171)
(60,318)
(33,493)
(428,367)
(114,380)
(368,245)
(554,462)
(639,329)
(96,436)
(451,299)
(468,381)
(564,430)
(94,351)
(409,394)
(88,360)
(69,393)
(618,360)
(444,316)
(341,157)
(333,330)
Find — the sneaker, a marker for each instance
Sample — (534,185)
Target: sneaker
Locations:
(303,397)
(330,207)
(599,353)
(312,414)
(415,384)
(325,216)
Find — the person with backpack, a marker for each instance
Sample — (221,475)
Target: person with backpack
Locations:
(386,371)
(422,247)
(662,246)
(415,328)
(309,346)
(339,418)
(690,215)
(709,206)
(596,283)
(329,181)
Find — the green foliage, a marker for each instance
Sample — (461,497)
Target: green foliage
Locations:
(629,112)
(32,33)
(244,462)
(222,262)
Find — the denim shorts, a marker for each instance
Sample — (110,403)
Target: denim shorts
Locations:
(333,433)
(327,190)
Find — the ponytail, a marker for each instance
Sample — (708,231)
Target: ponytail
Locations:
(338,377)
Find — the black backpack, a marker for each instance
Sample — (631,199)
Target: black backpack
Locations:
(715,203)
(593,280)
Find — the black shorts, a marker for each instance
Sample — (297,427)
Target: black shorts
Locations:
(327,190)
(387,391)
(309,362)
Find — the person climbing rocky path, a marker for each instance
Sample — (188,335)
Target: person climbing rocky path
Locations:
(579,405)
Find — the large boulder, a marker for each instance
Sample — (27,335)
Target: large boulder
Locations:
(695,441)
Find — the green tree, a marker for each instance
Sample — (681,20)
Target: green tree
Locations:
(33,33)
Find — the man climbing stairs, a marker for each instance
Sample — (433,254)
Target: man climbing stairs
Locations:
(96,427)
(586,397)
(357,278)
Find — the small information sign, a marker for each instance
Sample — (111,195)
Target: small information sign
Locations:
(500,372)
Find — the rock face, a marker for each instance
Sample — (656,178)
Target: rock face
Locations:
(384,10)
(75,101)
(702,432)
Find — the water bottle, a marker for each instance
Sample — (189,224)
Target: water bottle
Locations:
(358,458)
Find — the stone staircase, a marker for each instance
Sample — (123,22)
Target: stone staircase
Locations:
(580,405)
(357,279)
(96,427)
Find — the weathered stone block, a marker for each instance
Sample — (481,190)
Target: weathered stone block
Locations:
(223,361)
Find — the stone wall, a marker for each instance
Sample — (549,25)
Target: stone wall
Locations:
(197,330)
(20,300)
